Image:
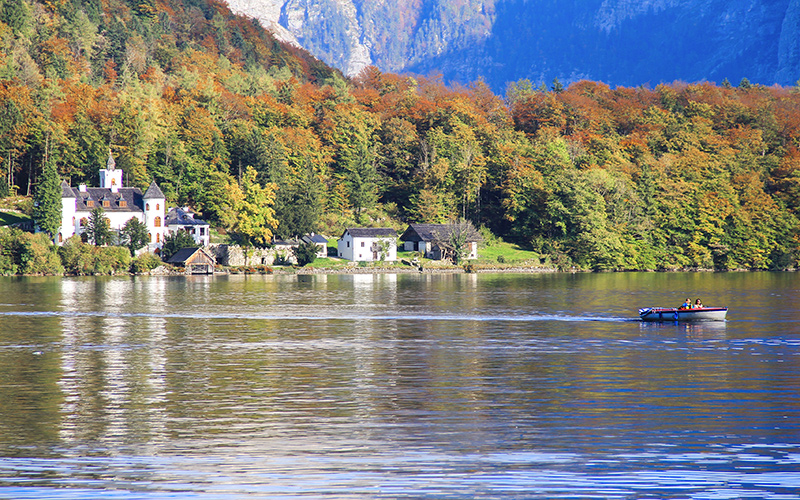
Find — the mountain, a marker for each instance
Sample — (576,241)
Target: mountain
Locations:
(619,42)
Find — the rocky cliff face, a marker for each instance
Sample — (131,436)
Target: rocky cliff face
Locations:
(620,42)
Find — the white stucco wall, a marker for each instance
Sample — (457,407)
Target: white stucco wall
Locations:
(359,249)
(201,234)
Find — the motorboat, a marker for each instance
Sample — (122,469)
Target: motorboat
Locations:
(681,314)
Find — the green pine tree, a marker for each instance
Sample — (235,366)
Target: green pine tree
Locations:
(174,242)
(305,253)
(47,207)
(99,228)
(133,235)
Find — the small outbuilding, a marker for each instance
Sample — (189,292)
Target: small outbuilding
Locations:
(368,244)
(320,241)
(194,260)
(433,240)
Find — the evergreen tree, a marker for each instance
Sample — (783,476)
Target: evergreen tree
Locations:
(98,229)
(175,242)
(362,180)
(47,207)
(133,235)
(305,253)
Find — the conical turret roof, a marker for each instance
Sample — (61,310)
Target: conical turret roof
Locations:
(66,190)
(153,191)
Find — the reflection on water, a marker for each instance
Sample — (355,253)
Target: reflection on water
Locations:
(392,386)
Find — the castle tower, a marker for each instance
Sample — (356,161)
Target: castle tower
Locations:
(67,213)
(111,177)
(154,215)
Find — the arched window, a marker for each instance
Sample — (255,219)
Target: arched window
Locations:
(147,206)
(158,207)
(60,238)
(149,237)
(158,237)
(157,222)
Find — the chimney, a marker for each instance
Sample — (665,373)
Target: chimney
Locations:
(82,188)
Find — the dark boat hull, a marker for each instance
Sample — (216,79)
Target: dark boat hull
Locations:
(674,314)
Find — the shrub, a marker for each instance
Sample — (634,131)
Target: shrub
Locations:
(145,263)
(9,251)
(112,260)
(25,205)
(77,257)
(501,259)
(305,253)
(82,259)
(25,253)
(37,255)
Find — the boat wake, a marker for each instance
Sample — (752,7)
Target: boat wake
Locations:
(321,316)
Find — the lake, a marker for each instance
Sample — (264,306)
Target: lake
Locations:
(398,386)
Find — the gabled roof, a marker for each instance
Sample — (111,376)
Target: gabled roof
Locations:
(66,191)
(131,196)
(181,217)
(432,232)
(285,243)
(183,255)
(316,238)
(370,232)
(153,191)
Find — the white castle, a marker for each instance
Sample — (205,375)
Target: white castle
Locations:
(119,204)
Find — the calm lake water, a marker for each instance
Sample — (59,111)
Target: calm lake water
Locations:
(398,386)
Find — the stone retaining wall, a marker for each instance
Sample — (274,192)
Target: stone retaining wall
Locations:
(236,256)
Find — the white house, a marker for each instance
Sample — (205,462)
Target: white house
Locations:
(183,219)
(368,244)
(320,241)
(430,239)
(119,204)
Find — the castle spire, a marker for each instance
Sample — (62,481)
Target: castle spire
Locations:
(111,165)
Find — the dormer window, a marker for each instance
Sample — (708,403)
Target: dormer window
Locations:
(90,203)
(106,203)
(123,203)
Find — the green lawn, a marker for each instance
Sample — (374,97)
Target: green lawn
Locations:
(326,263)
(510,252)
(8,218)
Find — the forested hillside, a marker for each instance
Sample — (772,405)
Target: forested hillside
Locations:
(228,121)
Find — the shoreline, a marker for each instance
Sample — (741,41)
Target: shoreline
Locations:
(165,270)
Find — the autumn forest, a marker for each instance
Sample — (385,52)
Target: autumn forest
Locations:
(251,132)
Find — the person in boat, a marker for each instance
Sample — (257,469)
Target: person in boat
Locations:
(687,304)
(698,304)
